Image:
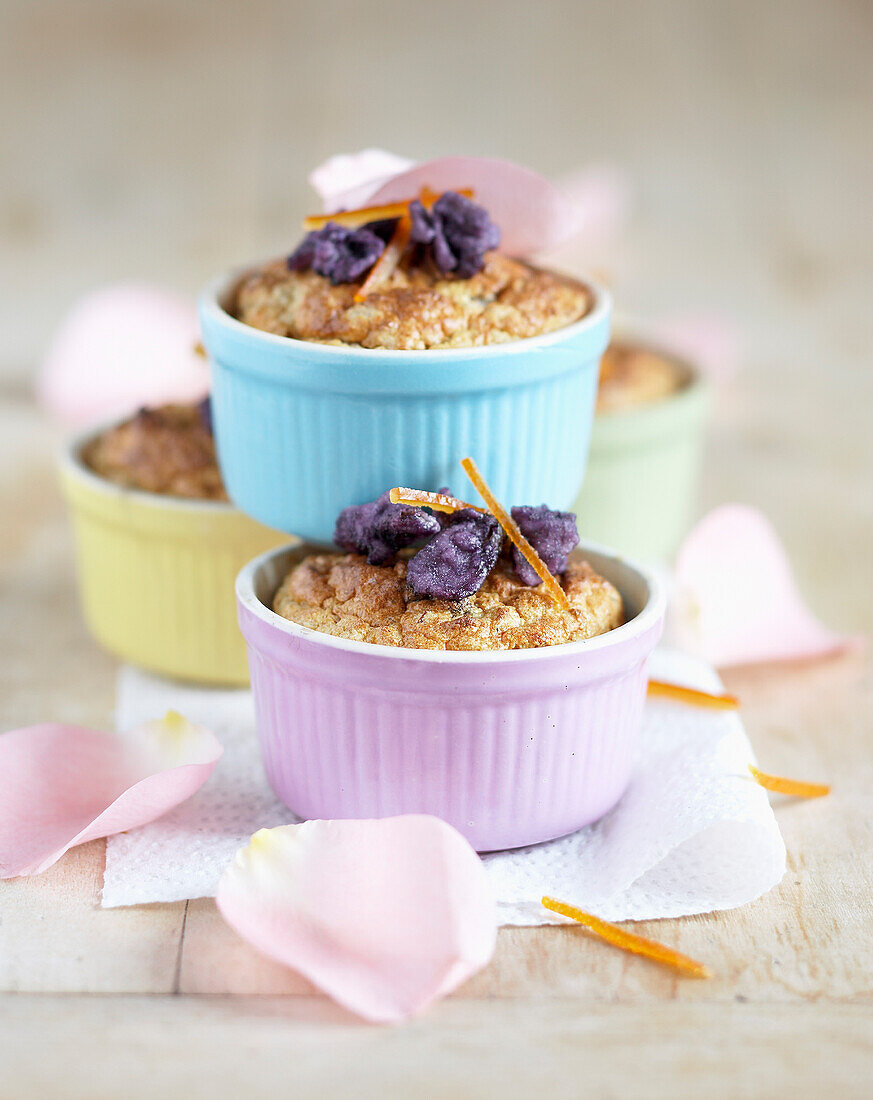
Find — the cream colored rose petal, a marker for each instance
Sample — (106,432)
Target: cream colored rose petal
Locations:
(735,597)
(64,785)
(384,916)
(345,181)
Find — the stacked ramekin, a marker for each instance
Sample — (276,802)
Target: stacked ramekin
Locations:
(512,747)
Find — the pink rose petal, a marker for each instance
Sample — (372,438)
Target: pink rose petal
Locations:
(346,181)
(601,196)
(736,601)
(711,342)
(119,348)
(64,785)
(532,213)
(384,916)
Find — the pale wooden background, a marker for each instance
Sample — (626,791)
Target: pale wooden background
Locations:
(166,140)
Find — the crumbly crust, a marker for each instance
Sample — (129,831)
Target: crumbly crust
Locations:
(165,450)
(632,375)
(341,594)
(418,308)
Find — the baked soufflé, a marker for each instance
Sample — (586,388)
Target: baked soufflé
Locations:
(167,450)
(427,278)
(633,375)
(409,576)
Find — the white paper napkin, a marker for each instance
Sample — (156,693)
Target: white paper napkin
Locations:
(693,833)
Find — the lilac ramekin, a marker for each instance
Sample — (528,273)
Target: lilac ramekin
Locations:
(511,748)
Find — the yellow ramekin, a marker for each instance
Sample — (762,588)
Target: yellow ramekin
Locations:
(156,573)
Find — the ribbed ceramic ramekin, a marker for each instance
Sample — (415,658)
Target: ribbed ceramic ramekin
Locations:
(510,748)
(304,430)
(156,573)
(643,470)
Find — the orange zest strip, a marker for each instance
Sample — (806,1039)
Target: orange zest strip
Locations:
(383,268)
(793,787)
(629,941)
(427,197)
(440,502)
(514,533)
(691,695)
(354,218)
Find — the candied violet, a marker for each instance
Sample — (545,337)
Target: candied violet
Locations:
(379,528)
(338,253)
(422,226)
(303,255)
(458,231)
(552,534)
(384,228)
(204,411)
(456,562)
(353,527)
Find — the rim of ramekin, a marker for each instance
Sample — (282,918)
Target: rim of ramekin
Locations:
(646,619)
(218,288)
(72,463)
(695,385)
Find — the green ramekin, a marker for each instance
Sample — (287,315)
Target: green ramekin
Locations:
(642,473)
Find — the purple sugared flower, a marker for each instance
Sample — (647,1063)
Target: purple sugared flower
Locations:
(458,231)
(204,411)
(353,530)
(338,253)
(303,255)
(552,534)
(457,561)
(384,228)
(379,528)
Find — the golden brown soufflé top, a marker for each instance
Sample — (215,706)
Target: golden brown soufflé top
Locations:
(167,450)
(632,375)
(417,308)
(340,594)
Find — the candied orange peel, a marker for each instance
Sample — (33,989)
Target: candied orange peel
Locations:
(385,212)
(662,689)
(513,532)
(630,941)
(439,502)
(354,218)
(795,787)
(427,197)
(384,267)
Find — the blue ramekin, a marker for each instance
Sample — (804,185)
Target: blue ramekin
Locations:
(303,430)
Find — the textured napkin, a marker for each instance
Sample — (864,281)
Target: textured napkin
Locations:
(693,832)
